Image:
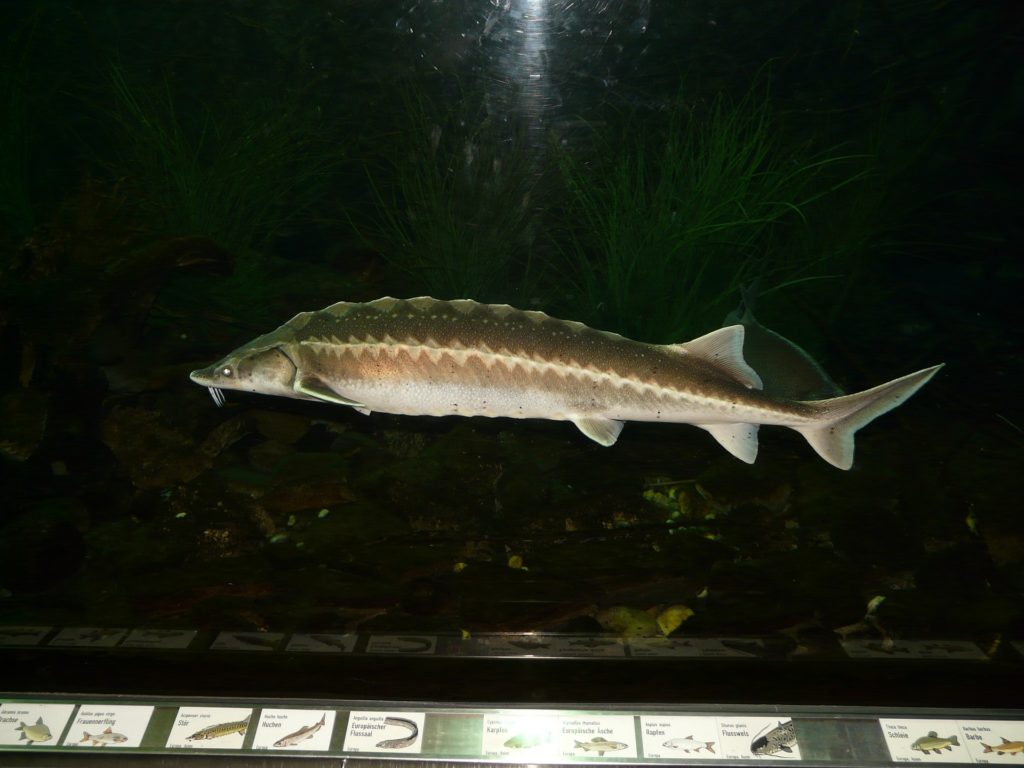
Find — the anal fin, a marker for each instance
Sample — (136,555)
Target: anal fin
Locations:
(599,429)
(314,387)
(738,439)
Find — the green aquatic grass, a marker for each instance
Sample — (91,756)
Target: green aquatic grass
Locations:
(453,198)
(17,214)
(239,173)
(666,225)
(18,142)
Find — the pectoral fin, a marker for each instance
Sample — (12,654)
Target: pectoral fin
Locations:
(738,439)
(599,429)
(313,386)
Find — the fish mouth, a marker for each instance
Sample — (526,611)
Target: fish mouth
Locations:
(203,378)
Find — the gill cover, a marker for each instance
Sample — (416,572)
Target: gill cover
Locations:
(269,371)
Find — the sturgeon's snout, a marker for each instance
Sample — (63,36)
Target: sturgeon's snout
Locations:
(208,377)
(202,376)
(268,371)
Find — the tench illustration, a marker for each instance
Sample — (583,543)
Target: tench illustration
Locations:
(1006,747)
(40,731)
(935,743)
(425,357)
(600,745)
(104,737)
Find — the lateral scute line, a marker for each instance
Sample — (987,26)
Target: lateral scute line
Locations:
(511,362)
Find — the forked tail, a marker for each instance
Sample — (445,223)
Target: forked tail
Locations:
(831,434)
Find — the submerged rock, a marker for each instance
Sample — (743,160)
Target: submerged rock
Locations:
(42,546)
(23,416)
(154,454)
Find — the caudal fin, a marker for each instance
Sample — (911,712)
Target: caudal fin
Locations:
(831,434)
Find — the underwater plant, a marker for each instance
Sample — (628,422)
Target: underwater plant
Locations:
(16,212)
(454,203)
(668,224)
(238,173)
(18,139)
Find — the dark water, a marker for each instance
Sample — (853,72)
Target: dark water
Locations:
(177,178)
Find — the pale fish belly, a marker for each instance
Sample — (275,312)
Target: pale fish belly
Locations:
(414,382)
(411,381)
(693,408)
(426,398)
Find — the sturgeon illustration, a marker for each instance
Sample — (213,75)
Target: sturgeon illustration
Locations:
(219,730)
(426,357)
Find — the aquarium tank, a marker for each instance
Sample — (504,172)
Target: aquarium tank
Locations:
(521,330)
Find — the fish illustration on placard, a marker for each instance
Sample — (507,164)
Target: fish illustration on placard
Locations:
(104,737)
(933,743)
(220,730)
(301,735)
(402,741)
(689,744)
(781,738)
(600,745)
(36,732)
(526,740)
(1005,747)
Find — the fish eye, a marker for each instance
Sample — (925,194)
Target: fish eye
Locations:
(225,371)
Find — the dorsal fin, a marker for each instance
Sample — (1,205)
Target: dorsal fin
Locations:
(786,369)
(724,349)
(744,312)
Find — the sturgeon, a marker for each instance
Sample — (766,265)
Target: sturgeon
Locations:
(426,357)
(219,730)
